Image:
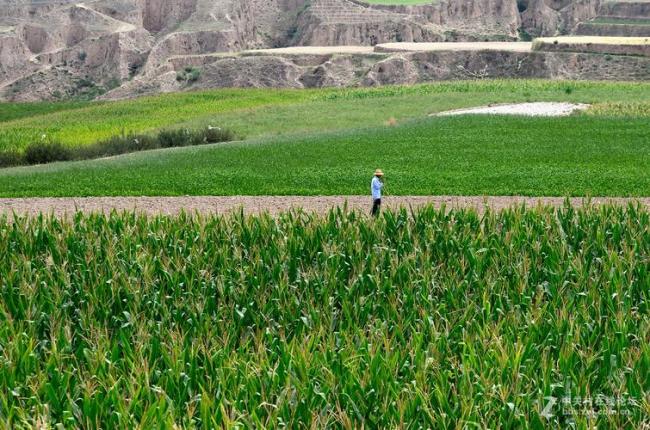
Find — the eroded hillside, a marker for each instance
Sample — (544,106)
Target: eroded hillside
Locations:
(51,49)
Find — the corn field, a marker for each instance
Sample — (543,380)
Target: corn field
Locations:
(527,318)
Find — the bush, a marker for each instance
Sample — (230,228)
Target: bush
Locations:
(11,158)
(185,137)
(524,36)
(116,145)
(46,152)
(171,138)
(216,135)
(124,144)
(189,75)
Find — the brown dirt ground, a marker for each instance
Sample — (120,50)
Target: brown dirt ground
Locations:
(455,46)
(274,204)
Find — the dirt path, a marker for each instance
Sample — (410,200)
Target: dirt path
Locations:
(272,204)
(397,47)
(314,50)
(455,46)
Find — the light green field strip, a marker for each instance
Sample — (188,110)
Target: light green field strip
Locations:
(99,121)
(270,112)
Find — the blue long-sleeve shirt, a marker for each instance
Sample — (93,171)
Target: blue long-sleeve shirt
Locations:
(375,188)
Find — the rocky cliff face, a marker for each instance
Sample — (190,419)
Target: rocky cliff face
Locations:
(352,22)
(555,17)
(71,48)
(481,17)
(314,71)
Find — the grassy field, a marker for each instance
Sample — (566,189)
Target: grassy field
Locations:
(423,320)
(581,155)
(332,138)
(255,113)
(95,121)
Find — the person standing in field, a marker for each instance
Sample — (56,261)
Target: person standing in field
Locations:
(375,188)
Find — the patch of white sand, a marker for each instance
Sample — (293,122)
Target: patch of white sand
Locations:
(526,109)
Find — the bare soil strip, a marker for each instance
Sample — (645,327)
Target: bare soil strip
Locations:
(314,50)
(396,48)
(455,46)
(277,204)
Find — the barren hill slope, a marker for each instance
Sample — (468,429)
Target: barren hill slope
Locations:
(53,49)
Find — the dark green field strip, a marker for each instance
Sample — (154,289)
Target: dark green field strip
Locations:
(425,320)
(15,111)
(472,155)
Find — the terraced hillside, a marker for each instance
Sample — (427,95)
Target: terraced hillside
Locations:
(342,22)
(619,18)
(61,49)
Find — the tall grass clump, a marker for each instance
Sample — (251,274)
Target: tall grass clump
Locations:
(164,139)
(47,151)
(423,319)
(11,158)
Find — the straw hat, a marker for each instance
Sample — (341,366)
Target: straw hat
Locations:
(378,172)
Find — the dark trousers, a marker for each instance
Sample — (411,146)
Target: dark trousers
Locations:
(376,206)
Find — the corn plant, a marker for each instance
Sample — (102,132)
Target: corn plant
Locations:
(430,318)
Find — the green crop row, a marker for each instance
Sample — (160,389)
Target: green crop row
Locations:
(424,319)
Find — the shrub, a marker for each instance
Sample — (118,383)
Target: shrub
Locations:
(171,138)
(11,158)
(216,135)
(524,36)
(124,144)
(193,75)
(188,74)
(116,145)
(46,152)
(185,137)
